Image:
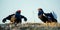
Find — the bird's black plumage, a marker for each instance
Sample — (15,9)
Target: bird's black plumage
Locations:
(46,17)
(16,20)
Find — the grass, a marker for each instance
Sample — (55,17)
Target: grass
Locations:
(35,26)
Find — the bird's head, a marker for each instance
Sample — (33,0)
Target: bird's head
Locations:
(39,9)
(18,11)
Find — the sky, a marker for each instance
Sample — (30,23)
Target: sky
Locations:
(29,8)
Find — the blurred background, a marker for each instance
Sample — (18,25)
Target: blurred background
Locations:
(29,8)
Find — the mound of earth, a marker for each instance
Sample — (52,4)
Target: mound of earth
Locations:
(31,26)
